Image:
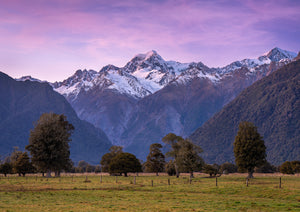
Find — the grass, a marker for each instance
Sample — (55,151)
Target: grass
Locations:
(76,193)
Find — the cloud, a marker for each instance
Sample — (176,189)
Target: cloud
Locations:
(100,32)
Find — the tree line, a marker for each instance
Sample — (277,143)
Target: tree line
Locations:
(50,152)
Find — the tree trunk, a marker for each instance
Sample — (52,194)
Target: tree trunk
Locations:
(250,173)
(48,175)
(191,174)
(4,174)
(156,173)
(176,169)
(57,173)
(125,174)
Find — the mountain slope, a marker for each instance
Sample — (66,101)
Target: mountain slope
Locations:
(22,103)
(272,104)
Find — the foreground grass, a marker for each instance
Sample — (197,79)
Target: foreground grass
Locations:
(75,194)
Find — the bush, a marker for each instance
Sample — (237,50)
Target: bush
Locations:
(227,168)
(265,168)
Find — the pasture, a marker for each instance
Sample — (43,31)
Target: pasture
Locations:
(146,192)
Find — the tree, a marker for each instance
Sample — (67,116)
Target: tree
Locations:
(6,168)
(212,170)
(23,164)
(172,140)
(185,154)
(123,163)
(188,159)
(296,166)
(106,158)
(82,166)
(49,143)
(286,168)
(249,148)
(155,160)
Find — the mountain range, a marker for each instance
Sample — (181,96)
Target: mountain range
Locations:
(136,105)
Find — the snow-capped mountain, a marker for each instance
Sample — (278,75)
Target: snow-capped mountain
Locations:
(147,73)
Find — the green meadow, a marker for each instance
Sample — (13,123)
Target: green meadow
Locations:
(150,193)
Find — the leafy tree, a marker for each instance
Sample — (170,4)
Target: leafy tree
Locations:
(212,170)
(290,167)
(82,166)
(188,159)
(155,160)
(296,166)
(170,168)
(23,164)
(249,148)
(227,168)
(49,143)
(185,154)
(123,163)
(106,158)
(6,168)
(172,140)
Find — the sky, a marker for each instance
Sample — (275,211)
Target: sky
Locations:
(50,40)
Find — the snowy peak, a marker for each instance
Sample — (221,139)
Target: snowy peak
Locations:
(28,78)
(147,73)
(274,55)
(278,54)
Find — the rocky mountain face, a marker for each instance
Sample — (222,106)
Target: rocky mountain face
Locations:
(272,104)
(138,104)
(22,103)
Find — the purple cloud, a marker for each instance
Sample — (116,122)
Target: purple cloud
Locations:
(61,36)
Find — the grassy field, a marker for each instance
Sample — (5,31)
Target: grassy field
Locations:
(107,193)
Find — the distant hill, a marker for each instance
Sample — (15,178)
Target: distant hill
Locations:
(272,104)
(22,103)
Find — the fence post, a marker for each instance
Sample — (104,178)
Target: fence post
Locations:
(216,181)
(247,181)
(280,182)
(168,181)
(101,178)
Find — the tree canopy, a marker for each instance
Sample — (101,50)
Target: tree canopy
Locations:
(49,143)
(123,163)
(107,158)
(249,148)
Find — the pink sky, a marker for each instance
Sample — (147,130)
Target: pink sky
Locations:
(50,40)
